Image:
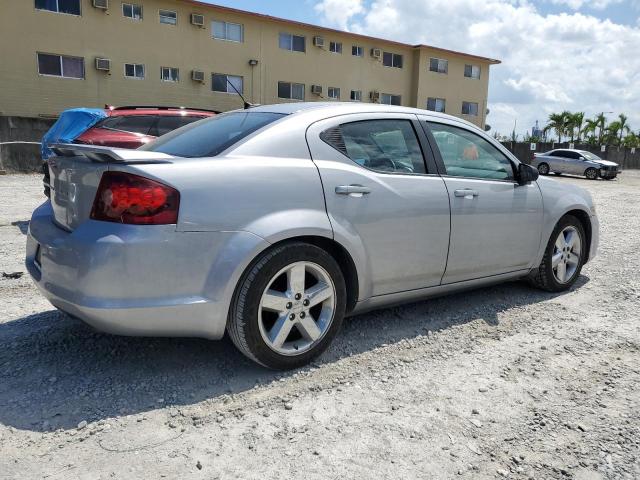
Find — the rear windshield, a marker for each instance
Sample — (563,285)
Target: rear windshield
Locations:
(209,137)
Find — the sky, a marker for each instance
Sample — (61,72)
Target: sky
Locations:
(576,55)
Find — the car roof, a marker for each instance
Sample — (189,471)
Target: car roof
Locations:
(341,108)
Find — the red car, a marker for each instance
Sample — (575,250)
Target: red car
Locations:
(133,126)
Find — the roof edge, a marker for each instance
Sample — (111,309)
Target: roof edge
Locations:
(248,13)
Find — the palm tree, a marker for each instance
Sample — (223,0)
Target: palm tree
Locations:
(601,122)
(591,125)
(624,127)
(577,119)
(612,132)
(557,122)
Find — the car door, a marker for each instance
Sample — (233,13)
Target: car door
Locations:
(561,161)
(383,198)
(496,224)
(574,163)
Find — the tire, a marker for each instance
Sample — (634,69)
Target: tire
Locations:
(591,173)
(251,324)
(543,169)
(545,277)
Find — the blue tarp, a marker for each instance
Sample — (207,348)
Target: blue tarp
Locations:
(71,124)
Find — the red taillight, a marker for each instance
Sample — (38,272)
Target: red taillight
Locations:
(127,198)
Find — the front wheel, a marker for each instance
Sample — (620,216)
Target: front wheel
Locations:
(591,173)
(563,258)
(288,306)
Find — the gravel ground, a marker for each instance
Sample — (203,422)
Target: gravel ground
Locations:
(503,382)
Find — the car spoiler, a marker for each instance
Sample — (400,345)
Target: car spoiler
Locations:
(109,154)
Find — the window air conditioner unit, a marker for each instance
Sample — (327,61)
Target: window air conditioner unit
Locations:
(197,76)
(376,53)
(318,41)
(374,96)
(102,4)
(316,89)
(197,19)
(103,64)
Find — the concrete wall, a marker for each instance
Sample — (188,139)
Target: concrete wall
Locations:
(21,156)
(25,31)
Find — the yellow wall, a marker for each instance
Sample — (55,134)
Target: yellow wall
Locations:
(24,31)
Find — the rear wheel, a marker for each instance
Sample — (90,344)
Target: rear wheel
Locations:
(563,258)
(543,169)
(288,306)
(591,173)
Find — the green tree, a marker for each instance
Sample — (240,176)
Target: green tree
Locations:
(601,122)
(557,123)
(576,120)
(624,127)
(612,131)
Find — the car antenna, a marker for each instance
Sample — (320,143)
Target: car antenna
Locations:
(247,105)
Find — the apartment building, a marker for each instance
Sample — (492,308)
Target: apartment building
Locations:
(58,54)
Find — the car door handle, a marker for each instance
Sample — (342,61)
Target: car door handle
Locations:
(352,189)
(466,193)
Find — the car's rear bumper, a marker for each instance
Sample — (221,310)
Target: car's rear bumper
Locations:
(139,280)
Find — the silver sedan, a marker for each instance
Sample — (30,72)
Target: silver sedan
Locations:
(575,162)
(274,223)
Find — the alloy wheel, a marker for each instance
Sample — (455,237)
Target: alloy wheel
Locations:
(567,253)
(297,308)
(543,169)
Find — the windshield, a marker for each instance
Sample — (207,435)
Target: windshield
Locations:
(590,156)
(211,136)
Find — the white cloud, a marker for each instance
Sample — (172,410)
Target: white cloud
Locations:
(569,61)
(338,12)
(594,4)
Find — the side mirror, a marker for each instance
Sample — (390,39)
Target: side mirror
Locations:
(526,174)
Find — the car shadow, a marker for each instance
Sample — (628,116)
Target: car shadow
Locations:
(56,372)
(23,225)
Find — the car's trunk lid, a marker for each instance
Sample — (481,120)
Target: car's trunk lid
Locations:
(75,173)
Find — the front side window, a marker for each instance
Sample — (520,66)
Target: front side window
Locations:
(392,60)
(357,51)
(390,99)
(466,154)
(472,71)
(388,146)
(289,90)
(356,96)
(168,17)
(438,65)
(333,93)
(232,32)
(436,104)
(71,7)
(335,47)
(169,74)
(60,65)
(470,108)
(131,10)
(212,136)
(225,83)
(134,70)
(295,43)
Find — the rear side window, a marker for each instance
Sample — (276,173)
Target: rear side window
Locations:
(212,136)
(388,146)
(466,154)
(168,123)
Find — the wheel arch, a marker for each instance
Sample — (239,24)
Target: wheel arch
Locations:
(585,220)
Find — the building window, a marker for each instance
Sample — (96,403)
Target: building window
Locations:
(221,82)
(436,104)
(389,99)
(470,108)
(357,51)
(293,91)
(438,65)
(335,47)
(356,95)
(295,43)
(134,70)
(233,32)
(169,74)
(333,93)
(392,60)
(472,71)
(60,66)
(132,11)
(71,7)
(168,17)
